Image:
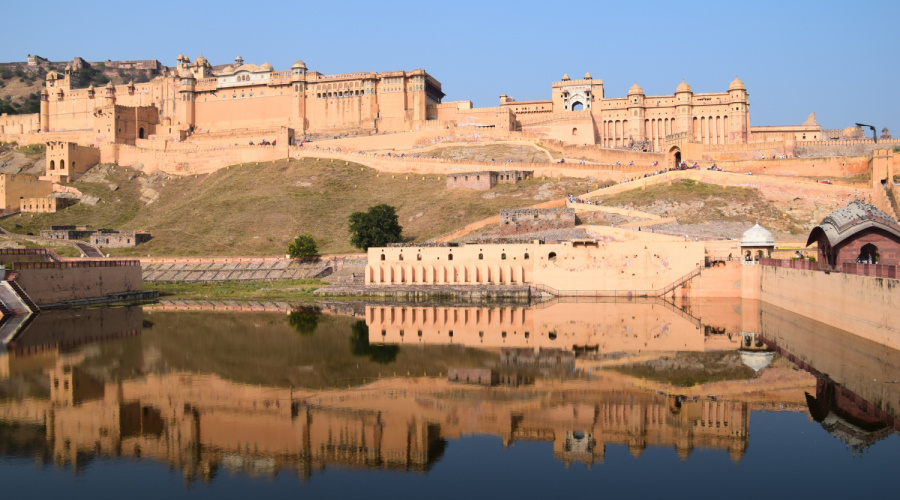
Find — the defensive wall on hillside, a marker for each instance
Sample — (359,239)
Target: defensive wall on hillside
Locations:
(529,220)
(859,147)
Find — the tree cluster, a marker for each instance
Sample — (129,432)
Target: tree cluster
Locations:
(376,227)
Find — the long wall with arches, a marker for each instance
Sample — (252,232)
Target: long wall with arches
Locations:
(565,266)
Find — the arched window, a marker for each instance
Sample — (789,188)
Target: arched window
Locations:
(450,257)
(574,131)
(141,133)
(526,255)
(382,256)
(62,164)
(868,254)
(552,256)
(401,257)
(52,165)
(503,256)
(480,256)
(418,256)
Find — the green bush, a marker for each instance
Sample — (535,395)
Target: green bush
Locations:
(303,247)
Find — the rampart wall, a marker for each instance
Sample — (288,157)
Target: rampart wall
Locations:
(54,282)
(18,124)
(607,156)
(859,147)
(529,220)
(808,167)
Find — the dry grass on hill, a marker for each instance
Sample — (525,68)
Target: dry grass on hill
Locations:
(692,202)
(256,210)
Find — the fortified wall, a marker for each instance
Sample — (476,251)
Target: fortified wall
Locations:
(55,282)
(529,220)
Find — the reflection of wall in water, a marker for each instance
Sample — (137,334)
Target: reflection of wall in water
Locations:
(606,326)
(72,327)
(855,363)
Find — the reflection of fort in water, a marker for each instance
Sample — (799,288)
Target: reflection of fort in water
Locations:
(203,423)
(615,326)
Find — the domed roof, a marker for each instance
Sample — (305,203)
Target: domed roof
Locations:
(737,84)
(180,57)
(683,87)
(757,236)
(851,219)
(227,70)
(109,85)
(91,87)
(299,64)
(587,76)
(565,77)
(635,89)
(247,67)
(757,360)
(201,61)
(266,67)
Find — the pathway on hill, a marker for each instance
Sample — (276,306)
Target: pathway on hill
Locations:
(90,251)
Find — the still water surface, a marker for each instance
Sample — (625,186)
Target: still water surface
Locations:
(602,398)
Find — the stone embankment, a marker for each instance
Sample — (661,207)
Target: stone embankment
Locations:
(247,269)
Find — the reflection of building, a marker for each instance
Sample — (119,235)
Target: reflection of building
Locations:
(613,326)
(203,423)
(755,354)
(846,416)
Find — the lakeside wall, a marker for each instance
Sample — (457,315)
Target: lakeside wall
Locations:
(863,305)
(55,282)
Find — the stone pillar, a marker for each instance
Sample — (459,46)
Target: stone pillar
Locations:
(45,111)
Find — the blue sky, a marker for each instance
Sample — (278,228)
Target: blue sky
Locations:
(836,58)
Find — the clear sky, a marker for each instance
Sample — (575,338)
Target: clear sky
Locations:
(836,58)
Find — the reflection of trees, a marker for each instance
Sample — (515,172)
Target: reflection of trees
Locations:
(360,346)
(305,319)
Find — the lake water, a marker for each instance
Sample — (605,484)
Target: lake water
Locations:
(347,400)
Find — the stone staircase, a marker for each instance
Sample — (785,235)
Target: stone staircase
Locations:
(17,309)
(236,271)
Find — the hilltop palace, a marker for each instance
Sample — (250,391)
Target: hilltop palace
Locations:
(196,117)
(197,98)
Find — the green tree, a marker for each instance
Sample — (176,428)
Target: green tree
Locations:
(305,319)
(303,247)
(376,227)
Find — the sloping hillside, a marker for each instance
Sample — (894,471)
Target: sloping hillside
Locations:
(256,209)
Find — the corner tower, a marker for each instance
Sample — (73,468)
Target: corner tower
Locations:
(684,109)
(635,129)
(738,122)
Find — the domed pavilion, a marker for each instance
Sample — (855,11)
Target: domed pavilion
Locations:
(857,233)
(757,243)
